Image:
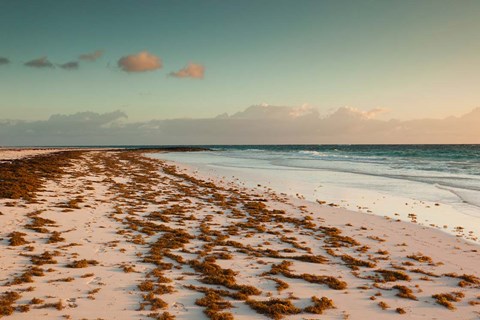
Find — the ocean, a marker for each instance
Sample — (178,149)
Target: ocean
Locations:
(439,184)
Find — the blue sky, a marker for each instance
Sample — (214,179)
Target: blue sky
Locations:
(415,58)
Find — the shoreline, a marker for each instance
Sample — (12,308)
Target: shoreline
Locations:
(348,192)
(150,240)
(300,200)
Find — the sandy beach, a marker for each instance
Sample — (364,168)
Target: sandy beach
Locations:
(12,154)
(90,234)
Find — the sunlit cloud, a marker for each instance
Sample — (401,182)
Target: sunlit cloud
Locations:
(345,112)
(349,112)
(192,70)
(91,56)
(72,65)
(39,63)
(373,113)
(4,60)
(140,62)
(266,111)
(301,111)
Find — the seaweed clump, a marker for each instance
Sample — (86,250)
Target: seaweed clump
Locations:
(319,305)
(17,238)
(274,308)
(214,274)
(446,299)
(214,304)
(405,292)
(22,178)
(84,263)
(283,268)
(391,275)
(6,301)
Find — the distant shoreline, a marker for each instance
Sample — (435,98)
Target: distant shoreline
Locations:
(206,147)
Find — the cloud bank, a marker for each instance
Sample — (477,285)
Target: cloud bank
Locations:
(93,56)
(4,60)
(140,62)
(255,125)
(192,70)
(39,63)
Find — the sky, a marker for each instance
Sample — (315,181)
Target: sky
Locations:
(171,60)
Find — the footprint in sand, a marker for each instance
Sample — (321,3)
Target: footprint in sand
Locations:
(71,302)
(179,306)
(96,279)
(100,250)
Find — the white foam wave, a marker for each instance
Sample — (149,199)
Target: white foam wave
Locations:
(471,197)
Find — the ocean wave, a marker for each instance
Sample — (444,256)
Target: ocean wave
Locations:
(455,180)
(470,197)
(456,166)
(312,153)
